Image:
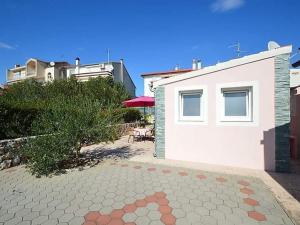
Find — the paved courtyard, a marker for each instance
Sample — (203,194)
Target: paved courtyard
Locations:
(126,192)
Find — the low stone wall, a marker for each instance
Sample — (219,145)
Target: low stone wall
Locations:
(10,148)
(9,152)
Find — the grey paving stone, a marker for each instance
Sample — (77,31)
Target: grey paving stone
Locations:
(129,217)
(193,217)
(142,220)
(39,220)
(56,213)
(156,222)
(50,222)
(30,216)
(25,223)
(6,217)
(141,212)
(13,221)
(154,215)
(152,206)
(202,211)
(209,220)
(76,221)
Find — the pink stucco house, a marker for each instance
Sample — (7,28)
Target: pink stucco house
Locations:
(235,113)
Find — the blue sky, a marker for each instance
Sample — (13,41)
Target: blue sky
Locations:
(150,35)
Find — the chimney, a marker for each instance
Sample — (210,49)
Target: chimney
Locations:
(196,64)
(17,65)
(77,61)
(176,67)
(199,64)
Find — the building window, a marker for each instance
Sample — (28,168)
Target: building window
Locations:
(190,105)
(237,103)
(49,76)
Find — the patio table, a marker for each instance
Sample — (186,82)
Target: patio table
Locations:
(141,131)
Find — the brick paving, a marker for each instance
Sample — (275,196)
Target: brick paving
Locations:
(124,192)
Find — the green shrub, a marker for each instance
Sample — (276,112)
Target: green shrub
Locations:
(63,115)
(132,115)
(44,153)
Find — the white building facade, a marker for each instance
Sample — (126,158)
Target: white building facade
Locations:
(149,78)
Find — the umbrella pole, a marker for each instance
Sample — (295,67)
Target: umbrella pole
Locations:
(144,116)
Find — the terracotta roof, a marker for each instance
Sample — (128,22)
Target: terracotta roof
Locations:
(167,72)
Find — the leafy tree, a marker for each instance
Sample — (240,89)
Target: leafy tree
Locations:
(63,115)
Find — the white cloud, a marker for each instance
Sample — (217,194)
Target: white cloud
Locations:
(226,5)
(6,46)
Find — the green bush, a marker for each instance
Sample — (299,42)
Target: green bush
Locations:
(132,115)
(44,153)
(63,116)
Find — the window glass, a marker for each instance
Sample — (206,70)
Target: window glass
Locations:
(191,104)
(235,103)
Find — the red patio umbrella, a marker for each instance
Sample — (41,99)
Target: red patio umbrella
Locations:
(142,101)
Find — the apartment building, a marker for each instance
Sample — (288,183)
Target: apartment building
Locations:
(44,71)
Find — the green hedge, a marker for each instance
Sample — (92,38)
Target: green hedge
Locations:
(63,115)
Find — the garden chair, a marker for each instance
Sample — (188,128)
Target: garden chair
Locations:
(136,136)
(151,134)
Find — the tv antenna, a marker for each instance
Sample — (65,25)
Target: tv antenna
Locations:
(237,47)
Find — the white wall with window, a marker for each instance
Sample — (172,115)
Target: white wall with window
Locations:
(191,105)
(237,103)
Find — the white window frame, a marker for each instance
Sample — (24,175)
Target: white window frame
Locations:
(252,104)
(249,105)
(196,120)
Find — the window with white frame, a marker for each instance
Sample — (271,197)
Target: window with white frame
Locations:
(236,104)
(191,105)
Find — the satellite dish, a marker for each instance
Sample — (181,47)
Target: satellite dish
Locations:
(52,63)
(273,45)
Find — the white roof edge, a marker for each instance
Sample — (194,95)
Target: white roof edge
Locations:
(225,65)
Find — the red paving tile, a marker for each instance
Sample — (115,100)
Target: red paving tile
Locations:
(103,220)
(151,169)
(160,195)
(250,201)
(168,219)
(137,167)
(115,218)
(201,177)
(129,208)
(140,203)
(151,198)
(183,174)
(116,222)
(243,182)
(92,216)
(166,171)
(90,223)
(165,209)
(162,201)
(257,216)
(247,191)
(221,179)
(117,214)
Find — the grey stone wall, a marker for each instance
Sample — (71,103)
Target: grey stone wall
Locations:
(282,113)
(160,122)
